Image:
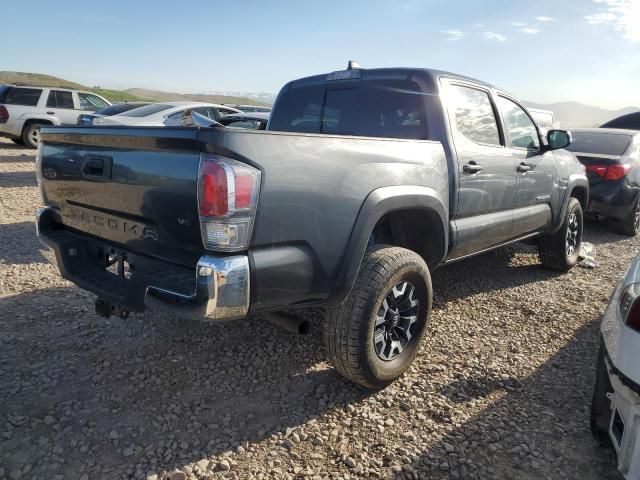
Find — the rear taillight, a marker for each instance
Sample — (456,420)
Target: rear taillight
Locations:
(609,172)
(617,172)
(4,114)
(227,198)
(630,306)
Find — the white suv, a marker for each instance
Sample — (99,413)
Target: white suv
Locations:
(23,110)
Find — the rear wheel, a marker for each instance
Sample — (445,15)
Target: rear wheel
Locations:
(374,334)
(560,250)
(31,135)
(631,225)
(600,415)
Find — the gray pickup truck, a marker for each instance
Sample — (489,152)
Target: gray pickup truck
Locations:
(364,181)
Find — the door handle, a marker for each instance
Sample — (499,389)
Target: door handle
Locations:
(471,167)
(523,167)
(51,113)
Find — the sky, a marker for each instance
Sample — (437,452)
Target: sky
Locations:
(542,51)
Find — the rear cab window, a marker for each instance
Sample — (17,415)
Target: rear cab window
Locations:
(370,108)
(10,95)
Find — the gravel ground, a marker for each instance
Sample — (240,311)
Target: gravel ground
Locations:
(501,388)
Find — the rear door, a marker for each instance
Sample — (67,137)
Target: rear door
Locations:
(536,170)
(60,105)
(486,170)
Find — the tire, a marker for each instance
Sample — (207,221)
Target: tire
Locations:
(30,135)
(390,280)
(18,141)
(600,415)
(630,226)
(560,250)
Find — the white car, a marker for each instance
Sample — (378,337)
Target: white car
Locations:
(615,408)
(168,114)
(23,110)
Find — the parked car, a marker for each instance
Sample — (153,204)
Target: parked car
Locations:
(630,121)
(87,118)
(364,182)
(612,160)
(170,114)
(615,406)
(24,109)
(253,121)
(253,108)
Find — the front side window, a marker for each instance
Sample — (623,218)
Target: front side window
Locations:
(473,113)
(522,130)
(91,102)
(60,99)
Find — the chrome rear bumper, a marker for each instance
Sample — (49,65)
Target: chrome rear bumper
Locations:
(219,292)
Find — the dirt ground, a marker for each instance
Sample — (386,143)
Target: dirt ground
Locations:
(501,388)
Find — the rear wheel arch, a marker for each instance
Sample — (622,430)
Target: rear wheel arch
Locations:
(412,217)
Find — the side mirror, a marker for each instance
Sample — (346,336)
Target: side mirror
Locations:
(557,139)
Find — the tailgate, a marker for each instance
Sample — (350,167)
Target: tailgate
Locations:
(135,187)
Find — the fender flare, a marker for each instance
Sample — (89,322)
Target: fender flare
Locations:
(574,180)
(377,204)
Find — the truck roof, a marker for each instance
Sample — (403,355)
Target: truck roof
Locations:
(428,77)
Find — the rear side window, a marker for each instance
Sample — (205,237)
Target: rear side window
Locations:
(390,108)
(473,115)
(60,99)
(20,96)
(599,143)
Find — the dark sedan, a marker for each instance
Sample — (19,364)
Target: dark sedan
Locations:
(252,120)
(87,118)
(612,160)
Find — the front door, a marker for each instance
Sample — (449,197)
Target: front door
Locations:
(536,171)
(486,171)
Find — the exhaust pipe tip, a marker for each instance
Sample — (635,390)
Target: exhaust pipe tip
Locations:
(291,323)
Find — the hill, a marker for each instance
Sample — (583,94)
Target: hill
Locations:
(130,95)
(39,79)
(574,114)
(160,96)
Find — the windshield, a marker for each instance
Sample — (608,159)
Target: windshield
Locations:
(371,108)
(147,110)
(599,143)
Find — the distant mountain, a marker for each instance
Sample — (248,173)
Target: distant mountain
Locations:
(261,97)
(160,96)
(574,114)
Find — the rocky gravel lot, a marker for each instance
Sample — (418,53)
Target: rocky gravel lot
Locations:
(501,388)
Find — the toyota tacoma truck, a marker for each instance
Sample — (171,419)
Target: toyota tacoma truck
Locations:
(365,181)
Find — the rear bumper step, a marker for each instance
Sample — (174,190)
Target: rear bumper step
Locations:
(217,289)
